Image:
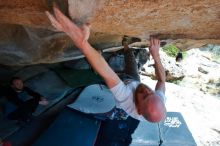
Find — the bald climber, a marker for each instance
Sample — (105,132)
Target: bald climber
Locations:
(135,98)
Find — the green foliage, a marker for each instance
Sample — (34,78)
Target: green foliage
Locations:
(177,82)
(184,54)
(171,50)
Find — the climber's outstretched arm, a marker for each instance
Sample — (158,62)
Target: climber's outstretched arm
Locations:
(80,36)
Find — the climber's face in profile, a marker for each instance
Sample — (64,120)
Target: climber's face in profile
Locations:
(149,104)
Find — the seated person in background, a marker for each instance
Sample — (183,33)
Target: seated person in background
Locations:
(20,108)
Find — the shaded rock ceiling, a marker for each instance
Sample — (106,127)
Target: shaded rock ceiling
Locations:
(26,36)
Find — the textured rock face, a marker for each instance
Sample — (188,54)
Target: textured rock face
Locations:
(174,71)
(26,36)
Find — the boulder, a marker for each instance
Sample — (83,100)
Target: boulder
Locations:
(202,70)
(174,71)
(27,37)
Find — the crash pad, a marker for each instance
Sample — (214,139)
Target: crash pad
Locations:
(50,86)
(70,128)
(116,132)
(173,131)
(94,99)
(7,127)
(78,78)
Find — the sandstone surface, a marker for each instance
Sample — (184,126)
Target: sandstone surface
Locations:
(26,36)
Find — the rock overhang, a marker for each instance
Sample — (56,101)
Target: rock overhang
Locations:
(28,38)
